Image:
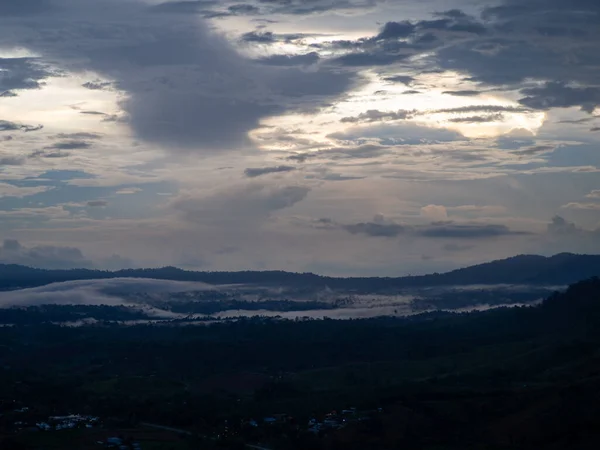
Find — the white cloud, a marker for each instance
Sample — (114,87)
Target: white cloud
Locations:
(436,213)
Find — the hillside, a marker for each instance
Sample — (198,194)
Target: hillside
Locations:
(564,268)
(510,378)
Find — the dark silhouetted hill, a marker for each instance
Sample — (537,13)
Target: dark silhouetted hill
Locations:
(561,269)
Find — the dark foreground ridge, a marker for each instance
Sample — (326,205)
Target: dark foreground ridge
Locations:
(561,269)
(510,378)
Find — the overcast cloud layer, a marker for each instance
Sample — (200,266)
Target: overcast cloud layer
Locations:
(341,137)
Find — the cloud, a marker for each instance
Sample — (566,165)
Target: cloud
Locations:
(394,30)
(583,206)
(291,60)
(79,136)
(404,79)
(375,229)
(128,191)
(594,194)
(402,133)
(374,115)
(492,113)
(185,87)
(10,190)
(97,203)
(434,212)
(225,8)
(236,206)
(381,228)
(467,231)
(70,145)
(11,161)
(465,93)
(257,172)
(479,119)
(49,154)
(98,85)
(42,256)
(23,7)
(480,109)
(559,225)
(535,150)
(266,37)
(6,125)
(22,73)
(542,40)
(115,291)
(560,95)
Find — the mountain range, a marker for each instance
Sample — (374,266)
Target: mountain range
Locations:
(560,269)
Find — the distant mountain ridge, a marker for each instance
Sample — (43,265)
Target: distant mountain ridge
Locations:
(563,268)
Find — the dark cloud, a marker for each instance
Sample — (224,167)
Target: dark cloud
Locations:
(70,145)
(43,256)
(291,60)
(98,85)
(215,9)
(545,40)
(97,203)
(480,109)
(536,149)
(187,7)
(23,73)
(93,113)
(375,229)
(560,95)
(11,161)
(404,79)
(466,231)
(79,136)
(465,93)
(304,7)
(439,230)
(492,113)
(397,41)
(9,126)
(374,115)
(577,121)
(23,7)
(340,177)
(7,94)
(371,58)
(559,225)
(257,172)
(53,154)
(185,87)
(266,37)
(498,117)
(395,30)
(6,125)
(452,14)
(243,9)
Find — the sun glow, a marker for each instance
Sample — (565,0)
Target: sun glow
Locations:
(432,101)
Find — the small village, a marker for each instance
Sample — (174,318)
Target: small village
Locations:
(24,420)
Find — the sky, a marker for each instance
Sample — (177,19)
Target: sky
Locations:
(342,137)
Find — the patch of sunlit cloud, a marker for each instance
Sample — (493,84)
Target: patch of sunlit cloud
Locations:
(433,107)
(58,105)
